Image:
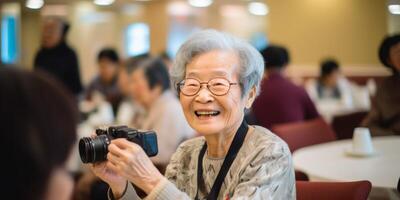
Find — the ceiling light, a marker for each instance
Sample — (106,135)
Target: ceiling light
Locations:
(394,9)
(200,3)
(103,2)
(34,4)
(258,8)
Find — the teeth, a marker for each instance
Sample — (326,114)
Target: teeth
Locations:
(207,113)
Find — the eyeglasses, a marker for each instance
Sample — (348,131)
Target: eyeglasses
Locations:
(217,86)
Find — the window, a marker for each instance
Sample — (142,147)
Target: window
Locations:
(137,37)
(9,43)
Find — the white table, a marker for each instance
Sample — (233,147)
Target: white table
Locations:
(328,162)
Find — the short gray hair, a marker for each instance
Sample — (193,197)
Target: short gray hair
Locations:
(251,62)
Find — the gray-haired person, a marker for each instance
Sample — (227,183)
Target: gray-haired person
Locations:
(217,77)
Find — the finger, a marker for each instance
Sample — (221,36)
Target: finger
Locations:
(113,168)
(115,150)
(114,159)
(93,135)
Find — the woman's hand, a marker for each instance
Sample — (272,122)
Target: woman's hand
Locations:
(129,160)
(115,181)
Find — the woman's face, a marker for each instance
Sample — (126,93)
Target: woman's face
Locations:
(394,56)
(227,110)
(139,87)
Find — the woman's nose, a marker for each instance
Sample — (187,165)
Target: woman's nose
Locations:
(204,95)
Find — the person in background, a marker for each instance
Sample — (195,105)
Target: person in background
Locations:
(127,107)
(161,111)
(280,101)
(384,117)
(38,123)
(57,57)
(332,92)
(107,81)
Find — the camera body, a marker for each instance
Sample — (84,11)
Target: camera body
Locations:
(93,150)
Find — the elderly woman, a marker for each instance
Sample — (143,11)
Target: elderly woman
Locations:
(217,77)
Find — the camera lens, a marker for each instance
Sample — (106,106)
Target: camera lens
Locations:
(93,149)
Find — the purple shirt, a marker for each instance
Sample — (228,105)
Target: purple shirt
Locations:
(281,101)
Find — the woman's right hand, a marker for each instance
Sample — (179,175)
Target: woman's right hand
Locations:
(116,182)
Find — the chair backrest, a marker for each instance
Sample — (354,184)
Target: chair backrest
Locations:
(358,190)
(344,125)
(306,133)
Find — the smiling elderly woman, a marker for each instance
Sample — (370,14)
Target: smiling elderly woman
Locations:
(217,77)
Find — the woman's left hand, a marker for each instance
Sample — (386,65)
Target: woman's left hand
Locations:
(130,161)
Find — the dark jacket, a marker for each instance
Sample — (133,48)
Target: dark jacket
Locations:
(62,62)
(384,117)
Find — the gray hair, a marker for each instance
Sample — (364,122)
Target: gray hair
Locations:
(251,62)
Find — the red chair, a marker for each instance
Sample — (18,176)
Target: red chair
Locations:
(301,176)
(358,190)
(302,134)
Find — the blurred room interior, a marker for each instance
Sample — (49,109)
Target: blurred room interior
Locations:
(349,31)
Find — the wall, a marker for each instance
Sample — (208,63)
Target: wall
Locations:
(349,30)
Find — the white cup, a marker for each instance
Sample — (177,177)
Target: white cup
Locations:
(362,143)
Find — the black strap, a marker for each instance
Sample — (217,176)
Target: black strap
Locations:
(237,143)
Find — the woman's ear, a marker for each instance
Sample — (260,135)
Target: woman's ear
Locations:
(251,97)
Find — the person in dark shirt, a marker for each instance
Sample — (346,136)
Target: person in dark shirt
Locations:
(107,81)
(384,116)
(280,100)
(56,57)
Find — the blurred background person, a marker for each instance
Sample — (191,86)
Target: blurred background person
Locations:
(106,82)
(161,110)
(56,57)
(384,117)
(280,100)
(333,94)
(127,107)
(39,125)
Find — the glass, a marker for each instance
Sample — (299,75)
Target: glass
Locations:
(217,86)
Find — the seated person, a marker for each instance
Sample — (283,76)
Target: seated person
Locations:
(160,109)
(280,101)
(384,117)
(38,123)
(127,108)
(333,88)
(217,77)
(106,81)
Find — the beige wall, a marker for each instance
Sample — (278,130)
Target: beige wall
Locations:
(349,30)
(30,37)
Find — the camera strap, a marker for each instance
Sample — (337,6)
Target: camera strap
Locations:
(236,144)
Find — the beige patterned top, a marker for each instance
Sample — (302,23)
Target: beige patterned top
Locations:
(263,169)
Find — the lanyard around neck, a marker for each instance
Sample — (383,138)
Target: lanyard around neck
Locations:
(237,143)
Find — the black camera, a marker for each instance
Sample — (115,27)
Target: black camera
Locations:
(95,149)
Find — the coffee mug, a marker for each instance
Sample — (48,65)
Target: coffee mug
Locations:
(362,143)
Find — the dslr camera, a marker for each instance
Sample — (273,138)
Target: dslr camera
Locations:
(95,149)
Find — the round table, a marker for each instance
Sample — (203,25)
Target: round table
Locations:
(329,162)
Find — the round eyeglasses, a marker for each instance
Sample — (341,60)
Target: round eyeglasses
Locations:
(217,86)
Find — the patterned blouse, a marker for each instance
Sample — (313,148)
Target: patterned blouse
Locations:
(262,169)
